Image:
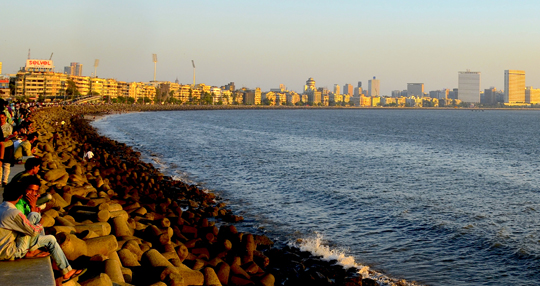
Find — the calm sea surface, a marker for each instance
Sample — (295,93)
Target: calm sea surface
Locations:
(441,197)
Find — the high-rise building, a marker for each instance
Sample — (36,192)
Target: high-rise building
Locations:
(439,94)
(73,69)
(374,87)
(337,89)
(415,89)
(311,92)
(230,86)
(358,90)
(310,84)
(532,95)
(469,86)
(348,89)
(514,86)
(490,96)
(443,94)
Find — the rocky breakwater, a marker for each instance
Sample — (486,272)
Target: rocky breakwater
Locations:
(128,224)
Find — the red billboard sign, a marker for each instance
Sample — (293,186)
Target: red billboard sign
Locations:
(48,64)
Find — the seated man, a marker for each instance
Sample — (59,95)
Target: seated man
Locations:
(25,147)
(31,168)
(19,237)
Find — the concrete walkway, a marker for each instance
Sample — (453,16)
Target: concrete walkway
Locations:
(23,272)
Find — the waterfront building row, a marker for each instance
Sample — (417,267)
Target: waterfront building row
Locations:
(36,84)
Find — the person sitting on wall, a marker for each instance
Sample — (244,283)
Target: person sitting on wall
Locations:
(32,201)
(21,238)
(31,168)
(25,147)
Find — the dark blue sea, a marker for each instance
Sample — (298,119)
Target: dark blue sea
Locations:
(435,197)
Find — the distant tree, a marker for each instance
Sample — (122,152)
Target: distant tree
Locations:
(144,100)
(12,88)
(427,103)
(72,88)
(225,98)
(206,98)
(22,98)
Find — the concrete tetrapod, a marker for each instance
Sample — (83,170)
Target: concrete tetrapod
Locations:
(74,247)
(101,280)
(155,259)
(210,277)
(113,268)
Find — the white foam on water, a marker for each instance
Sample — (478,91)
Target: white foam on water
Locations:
(317,246)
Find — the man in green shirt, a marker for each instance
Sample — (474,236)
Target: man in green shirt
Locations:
(32,201)
(20,237)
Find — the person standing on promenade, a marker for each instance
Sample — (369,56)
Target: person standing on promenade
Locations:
(20,238)
(7,157)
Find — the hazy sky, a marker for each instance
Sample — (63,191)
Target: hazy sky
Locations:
(264,43)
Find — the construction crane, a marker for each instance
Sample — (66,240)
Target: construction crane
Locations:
(51,56)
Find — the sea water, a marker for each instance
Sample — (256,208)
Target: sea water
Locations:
(440,197)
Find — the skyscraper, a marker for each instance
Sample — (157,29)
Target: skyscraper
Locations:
(514,86)
(73,69)
(358,90)
(469,86)
(532,95)
(374,87)
(337,89)
(415,89)
(314,96)
(348,89)
(310,84)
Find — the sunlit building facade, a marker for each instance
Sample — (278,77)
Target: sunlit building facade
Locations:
(374,87)
(514,86)
(532,95)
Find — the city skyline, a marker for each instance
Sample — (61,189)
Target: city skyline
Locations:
(283,42)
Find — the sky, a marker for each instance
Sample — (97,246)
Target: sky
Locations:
(257,43)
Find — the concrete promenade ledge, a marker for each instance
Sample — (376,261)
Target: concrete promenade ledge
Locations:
(23,272)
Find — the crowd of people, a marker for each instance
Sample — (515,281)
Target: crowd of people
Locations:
(21,232)
(17,135)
